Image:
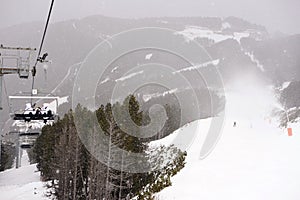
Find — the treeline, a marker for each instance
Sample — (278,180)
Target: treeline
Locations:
(70,161)
(8,152)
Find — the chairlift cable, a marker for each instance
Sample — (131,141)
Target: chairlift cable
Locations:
(45,30)
(42,43)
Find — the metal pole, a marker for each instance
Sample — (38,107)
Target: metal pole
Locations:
(18,48)
(1,79)
(0,146)
(18,151)
(287,116)
(20,156)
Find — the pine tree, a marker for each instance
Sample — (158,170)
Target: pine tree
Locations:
(8,152)
(77,174)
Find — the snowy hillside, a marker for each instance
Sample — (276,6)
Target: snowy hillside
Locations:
(192,32)
(254,160)
(22,183)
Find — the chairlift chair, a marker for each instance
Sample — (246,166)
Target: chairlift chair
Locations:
(15,60)
(26,139)
(27,142)
(31,113)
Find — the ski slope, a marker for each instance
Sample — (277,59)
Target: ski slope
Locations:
(254,160)
(22,183)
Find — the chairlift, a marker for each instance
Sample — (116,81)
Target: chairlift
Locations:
(27,139)
(44,109)
(15,60)
(27,142)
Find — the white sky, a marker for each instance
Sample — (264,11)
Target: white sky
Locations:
(282,15)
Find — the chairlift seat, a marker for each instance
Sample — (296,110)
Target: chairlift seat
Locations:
(24,76)
(29,134)
(26,146)
(28,116)
(27,141)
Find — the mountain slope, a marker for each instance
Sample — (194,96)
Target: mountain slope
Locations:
(254,160)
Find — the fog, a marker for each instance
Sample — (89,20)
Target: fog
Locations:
(276,15)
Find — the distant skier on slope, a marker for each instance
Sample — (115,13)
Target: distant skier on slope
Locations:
(234,124)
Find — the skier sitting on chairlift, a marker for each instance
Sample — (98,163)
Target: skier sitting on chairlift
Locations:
(38,111)
(31,113)
(46,109)
(28,108)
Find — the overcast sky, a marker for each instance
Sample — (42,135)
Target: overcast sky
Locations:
(282,15)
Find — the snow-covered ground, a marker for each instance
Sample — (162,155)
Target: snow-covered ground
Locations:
(22,183)
(254,160)
(190,33)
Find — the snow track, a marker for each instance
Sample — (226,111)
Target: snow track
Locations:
(22,183)
(255,160)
